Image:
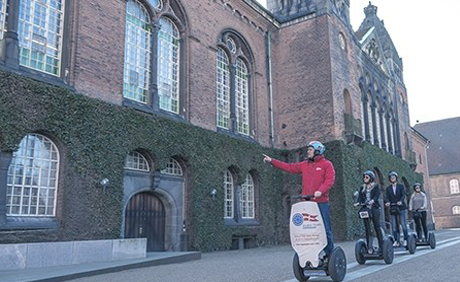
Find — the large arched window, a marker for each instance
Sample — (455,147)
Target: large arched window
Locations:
(168,65)
(392,136)
(223,89)
(377,124)
(247,198)
(456,210)
(228,195)
(233,81)
(385,131)
(173,168)
(32,180)
(136,78)
(242,97)
(454,187)
(40,33)
(363,109)
(2,17)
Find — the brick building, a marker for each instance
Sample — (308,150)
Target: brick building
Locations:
(148,118)
(444,169)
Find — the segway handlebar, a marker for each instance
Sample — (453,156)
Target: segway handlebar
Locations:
(304,197)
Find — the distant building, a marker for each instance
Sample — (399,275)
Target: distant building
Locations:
(444,169)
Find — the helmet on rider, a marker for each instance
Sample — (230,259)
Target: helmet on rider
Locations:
(318,147)
(392,173)
(417,185)
(371,175)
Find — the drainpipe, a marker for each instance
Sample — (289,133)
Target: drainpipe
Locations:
(270,88)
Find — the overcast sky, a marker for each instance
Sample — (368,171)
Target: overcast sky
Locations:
(425,34)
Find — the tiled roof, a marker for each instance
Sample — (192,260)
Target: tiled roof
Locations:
(444,147)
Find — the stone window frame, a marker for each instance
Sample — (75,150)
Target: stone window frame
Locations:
(454,186)
(242,54)
(172,11)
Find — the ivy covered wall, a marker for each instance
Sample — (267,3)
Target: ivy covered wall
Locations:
(95,137)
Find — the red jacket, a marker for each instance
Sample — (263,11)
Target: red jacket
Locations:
(317,175)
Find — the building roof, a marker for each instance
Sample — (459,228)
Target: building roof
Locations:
(444,148)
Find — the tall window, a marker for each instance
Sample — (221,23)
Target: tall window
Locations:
(2,17)
(40,34)
(168,65)
(369,118)
(454,188)
(392,137)
(228,191)
(385,132)
(136,161)
(242,98)
(363,121)
(247,198)
(32,179)
(136,75)
(223,89)
(377,124)
(456,210)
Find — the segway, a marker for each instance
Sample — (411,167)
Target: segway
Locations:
(308,239)
(411,237)
(430,241)
(364,249)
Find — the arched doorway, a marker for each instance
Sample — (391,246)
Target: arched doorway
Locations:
(145,218)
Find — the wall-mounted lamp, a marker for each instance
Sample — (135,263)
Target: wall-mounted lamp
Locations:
(213,193)
(104,182)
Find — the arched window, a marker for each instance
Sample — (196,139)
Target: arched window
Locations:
(363,109)
(40,33)
(385,131)
(136,161)
(2,17)
(136,76)
(233,79)
(168,65)
(347,102)
(454,188)
(456,210)
(377,124)
(32,180)
(228,194)
(242,97)
(369,119)
(223,89)
(247,198)
(392,136)
(173,168)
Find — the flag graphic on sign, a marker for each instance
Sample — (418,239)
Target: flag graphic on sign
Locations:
(309,217)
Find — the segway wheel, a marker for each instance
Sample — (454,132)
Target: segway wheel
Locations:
(387,251)
(337,265)
(411,244)
(360,250)
(298,270)
(432,240)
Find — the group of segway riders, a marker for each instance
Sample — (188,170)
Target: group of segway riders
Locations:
(317,179)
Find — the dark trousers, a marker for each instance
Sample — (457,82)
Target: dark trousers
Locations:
(376,222)
(324,209)
(420,223)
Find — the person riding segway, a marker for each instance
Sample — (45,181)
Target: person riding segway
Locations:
(368,199)
(418,206)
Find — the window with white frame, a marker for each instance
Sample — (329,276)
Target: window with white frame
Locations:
(136,161)
(228,195)
(2,17)
(456,210)
(242,97)
(247,198)
(454,187)
(369,119)
(173,168)
(223,89)
(40,34)
(32,180)
(136,76)
(168,65)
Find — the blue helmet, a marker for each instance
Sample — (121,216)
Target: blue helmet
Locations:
(318,147)
(371,174)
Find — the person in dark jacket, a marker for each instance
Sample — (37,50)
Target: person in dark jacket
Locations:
(318,176)
(418,205)
(368,196)
(395,199)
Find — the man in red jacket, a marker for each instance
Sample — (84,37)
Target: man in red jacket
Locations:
(318,176)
